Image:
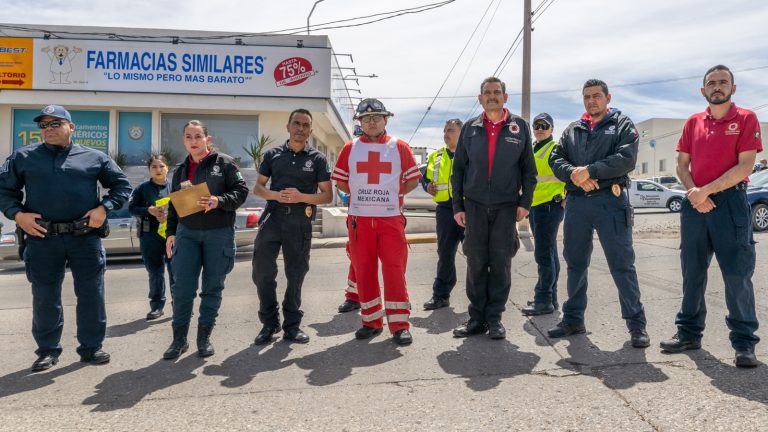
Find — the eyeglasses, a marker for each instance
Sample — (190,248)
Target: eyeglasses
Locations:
(371,118)
(55,124)
(541,126)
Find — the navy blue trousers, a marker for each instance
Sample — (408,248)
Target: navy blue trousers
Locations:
(45,261)
(211,252)
(610,217)
(725,232)
(545,221)
(449,235)
(155,261)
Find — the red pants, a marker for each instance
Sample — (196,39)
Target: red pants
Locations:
(380,238)
(351,292)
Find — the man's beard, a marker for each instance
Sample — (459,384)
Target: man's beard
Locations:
(711,100)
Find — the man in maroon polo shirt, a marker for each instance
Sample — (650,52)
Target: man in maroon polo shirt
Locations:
(493,179)
(716,153)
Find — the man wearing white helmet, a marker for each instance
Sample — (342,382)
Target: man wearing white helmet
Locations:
(377,170)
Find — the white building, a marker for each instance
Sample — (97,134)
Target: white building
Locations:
(658,140)
(131,90)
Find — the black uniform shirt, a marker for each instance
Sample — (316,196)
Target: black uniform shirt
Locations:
(302,170)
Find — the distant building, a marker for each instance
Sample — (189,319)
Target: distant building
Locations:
(658,141)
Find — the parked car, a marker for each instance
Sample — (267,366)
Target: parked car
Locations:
(757,196)
(670,182)
(122,239)
(419,199)
(649,194)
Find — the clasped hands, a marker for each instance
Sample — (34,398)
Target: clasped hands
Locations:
(700,200)
(580,177)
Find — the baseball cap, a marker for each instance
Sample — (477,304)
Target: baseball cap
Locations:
(545,118)
(57,111)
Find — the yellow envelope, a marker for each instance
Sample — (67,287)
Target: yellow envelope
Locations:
(185,200)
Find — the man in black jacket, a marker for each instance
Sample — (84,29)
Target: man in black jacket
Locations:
(594,156)
(495,174)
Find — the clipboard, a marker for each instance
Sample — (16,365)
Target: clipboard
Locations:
(185,201)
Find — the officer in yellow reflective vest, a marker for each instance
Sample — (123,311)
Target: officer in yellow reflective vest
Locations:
(545,218)
(437,181)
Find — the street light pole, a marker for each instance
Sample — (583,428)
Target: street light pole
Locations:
(525,105)
(310,13)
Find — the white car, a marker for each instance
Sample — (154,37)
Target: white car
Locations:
(648,194)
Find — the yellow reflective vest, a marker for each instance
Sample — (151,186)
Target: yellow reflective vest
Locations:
(547,185)
(439,169)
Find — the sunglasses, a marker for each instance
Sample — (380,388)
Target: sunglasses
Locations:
(55,124)
(541,126)
(373,105)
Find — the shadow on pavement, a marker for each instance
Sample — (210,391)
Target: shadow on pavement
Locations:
(240,368)
(129,328)
(125,389)
(342,323)
(484,362)
(336,363)
(744,383)
(25,380)
(440,320)
(620,369)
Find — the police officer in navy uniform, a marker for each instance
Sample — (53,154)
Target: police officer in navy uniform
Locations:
(61,215)
(296,171)
(594,157)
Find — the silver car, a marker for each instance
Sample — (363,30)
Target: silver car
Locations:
(122,239)
(648,194)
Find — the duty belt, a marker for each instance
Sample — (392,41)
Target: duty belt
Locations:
(306,210)
(53,229)
(605,189)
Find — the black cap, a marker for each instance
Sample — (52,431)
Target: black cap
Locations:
(57,111)
(546,118)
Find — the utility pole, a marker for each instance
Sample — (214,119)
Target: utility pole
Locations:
(525,106)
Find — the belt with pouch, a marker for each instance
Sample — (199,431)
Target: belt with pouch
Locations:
(77,228)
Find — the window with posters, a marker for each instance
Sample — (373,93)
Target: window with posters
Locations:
(91,128)
(230,134)
(134,137)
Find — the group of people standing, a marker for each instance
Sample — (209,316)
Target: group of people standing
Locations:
(491,174)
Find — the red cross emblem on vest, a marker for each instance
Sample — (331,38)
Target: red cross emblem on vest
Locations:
(374,167)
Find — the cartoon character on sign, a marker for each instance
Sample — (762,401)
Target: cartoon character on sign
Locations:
(61,62)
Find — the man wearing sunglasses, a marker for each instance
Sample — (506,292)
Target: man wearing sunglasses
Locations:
(50,190)
(449,233)
(493,179)
(377,170)
(546,215)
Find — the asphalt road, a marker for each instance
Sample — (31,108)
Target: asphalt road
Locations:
(527,382)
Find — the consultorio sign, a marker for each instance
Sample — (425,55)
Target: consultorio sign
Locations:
(121,66)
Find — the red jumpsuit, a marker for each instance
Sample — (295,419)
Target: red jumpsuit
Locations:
(376,173)
(351,292)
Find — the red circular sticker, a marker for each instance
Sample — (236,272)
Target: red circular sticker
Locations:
(293,71)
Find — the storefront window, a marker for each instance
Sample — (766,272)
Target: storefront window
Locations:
(134,139)
(230,134)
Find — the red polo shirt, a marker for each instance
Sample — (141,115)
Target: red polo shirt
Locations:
(492,133)
(193,167)
(714,145)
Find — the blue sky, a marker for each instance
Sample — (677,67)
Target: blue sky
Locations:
(621,42)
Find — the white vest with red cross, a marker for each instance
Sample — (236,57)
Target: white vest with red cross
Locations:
(374,179)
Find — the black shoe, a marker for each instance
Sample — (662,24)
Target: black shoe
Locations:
(555,304)
(538,309)
(155,314)
(470,328)
(402,337)
(44,362)
(179,345)
(496,331)
(366,332)
(436,303)
(745,358)
(639,338)
(349,306)
(265,335)
(295,335)
(676,344)
(95,358)
(563,330)
(204,346)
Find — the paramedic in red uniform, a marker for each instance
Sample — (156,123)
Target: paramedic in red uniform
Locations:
(377,170)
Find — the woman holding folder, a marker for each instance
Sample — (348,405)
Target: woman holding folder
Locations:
(207,188)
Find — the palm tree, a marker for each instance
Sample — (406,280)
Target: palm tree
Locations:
(255,149)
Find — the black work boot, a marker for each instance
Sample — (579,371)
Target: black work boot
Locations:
(204,347)
(179,344)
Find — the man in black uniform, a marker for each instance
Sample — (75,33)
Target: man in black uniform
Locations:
(593,158)
(61,215)
(493,179)
(297,172)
